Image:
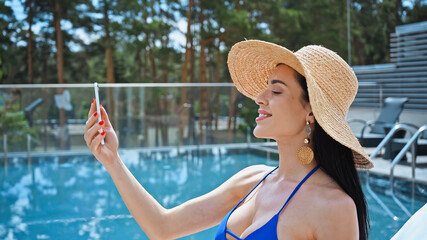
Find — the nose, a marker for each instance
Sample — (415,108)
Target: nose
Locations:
(261,99)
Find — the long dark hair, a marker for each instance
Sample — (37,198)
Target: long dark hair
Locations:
(337,161)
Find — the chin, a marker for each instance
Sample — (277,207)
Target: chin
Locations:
(258,133)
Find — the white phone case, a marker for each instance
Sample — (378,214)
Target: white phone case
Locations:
(95,85)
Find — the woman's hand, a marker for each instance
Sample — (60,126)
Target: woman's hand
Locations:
(107,153)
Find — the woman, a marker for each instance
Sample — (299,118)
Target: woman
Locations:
(315,193)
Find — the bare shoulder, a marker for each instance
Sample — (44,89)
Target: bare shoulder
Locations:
(254,169)
(252,173)
(247,178)
(338,213)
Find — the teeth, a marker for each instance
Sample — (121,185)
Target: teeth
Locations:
(263,115)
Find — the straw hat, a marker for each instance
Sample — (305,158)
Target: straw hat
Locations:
(332,84)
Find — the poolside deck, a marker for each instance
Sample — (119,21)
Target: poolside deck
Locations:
(402,170)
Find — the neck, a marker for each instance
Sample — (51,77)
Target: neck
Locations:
(289,166)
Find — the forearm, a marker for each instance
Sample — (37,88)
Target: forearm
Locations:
(144,208)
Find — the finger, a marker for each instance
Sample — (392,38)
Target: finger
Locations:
(92,132)
(91,121)
(104,116)
(89,138)
(92,108)
(96,143)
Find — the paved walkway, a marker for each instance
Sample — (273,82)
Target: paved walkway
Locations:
(402,170)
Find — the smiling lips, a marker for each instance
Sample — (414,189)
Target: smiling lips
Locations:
(262,115)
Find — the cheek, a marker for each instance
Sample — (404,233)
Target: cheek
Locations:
(289,118)
(287,110)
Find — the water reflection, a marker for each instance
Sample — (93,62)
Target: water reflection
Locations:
(75,198)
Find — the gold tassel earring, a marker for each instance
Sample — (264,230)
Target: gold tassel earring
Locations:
(305,154)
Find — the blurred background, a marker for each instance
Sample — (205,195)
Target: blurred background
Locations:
(183,127)
(160,42)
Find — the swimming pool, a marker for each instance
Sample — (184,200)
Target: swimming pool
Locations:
(74,197)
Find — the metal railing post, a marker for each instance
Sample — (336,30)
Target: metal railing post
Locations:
(28,152)
(28,145)
(248,136)
(410,144)
(387,138)
(5,153)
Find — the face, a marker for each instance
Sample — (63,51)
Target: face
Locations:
(283,112)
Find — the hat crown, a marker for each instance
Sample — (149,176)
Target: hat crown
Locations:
(331,73)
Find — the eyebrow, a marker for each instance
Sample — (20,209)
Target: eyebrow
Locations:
(277,81)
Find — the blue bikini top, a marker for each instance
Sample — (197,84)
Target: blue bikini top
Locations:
(268,230)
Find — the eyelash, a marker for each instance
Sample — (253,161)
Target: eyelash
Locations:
(276,92)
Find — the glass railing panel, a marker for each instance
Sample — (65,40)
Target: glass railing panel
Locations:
(49,118)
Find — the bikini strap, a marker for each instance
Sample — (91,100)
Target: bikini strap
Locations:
(298,186)
(255,187)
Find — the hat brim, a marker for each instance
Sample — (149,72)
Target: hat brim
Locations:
(250,64)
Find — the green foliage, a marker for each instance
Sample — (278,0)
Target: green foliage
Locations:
(14,124)
(418,13)
(137,27)
(248,112)
(1,70)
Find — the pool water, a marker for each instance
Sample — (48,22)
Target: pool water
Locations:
(74,197)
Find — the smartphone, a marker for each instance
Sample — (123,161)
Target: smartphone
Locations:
(96,88)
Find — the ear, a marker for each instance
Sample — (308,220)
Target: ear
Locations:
(310,117)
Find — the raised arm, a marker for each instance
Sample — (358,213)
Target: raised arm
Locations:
(156,221)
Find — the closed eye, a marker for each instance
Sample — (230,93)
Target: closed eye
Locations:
(274,92)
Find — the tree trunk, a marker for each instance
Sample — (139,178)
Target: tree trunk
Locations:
(315,21)
(153,65)
(191,128)
(208,104)
(156,99)
(138,64)
(164,124)
(30,41)
(396,13)
(164,107)
(45,56)
(233,96)
(184,111)
(110,62)
(155,95)
(235,115)
(108,48)
(60,69)
(358,50)
(165,70)
(203,108)
(146,76)
(59,43)
(146,109)
(217,79)
(397,22)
